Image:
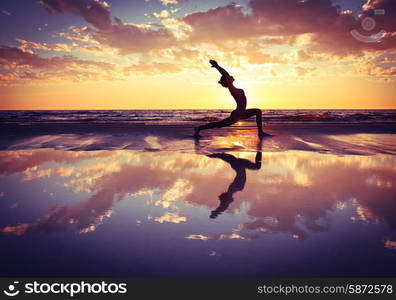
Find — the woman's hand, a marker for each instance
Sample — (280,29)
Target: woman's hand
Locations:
(213,63)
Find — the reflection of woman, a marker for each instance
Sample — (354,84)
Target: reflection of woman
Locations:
(240,112)
(239,165)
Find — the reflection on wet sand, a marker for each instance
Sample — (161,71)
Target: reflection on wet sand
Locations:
(292,192)
(239,165)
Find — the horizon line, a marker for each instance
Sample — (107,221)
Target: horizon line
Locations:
(227,109)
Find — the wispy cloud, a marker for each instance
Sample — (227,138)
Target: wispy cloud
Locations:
(5,12)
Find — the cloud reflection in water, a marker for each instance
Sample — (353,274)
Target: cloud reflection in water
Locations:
(291,192)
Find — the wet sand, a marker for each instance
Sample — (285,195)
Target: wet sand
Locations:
(112,200)
(338,138)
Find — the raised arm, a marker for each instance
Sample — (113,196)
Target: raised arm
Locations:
(222,72)
(220,69)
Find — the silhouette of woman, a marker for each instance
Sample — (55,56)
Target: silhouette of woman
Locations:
(239,165)
(240,112)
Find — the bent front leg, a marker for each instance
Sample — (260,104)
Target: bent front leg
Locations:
(259,119)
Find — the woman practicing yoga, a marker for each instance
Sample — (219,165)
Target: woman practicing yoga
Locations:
(240,112)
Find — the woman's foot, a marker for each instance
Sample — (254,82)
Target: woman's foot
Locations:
(262,134)
(196,132)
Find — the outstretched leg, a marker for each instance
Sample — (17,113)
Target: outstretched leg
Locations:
(223,123)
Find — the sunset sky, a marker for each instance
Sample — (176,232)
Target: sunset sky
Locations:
(153,54)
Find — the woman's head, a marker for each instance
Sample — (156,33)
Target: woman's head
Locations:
(224,82)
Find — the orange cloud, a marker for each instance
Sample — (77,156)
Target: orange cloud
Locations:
(44,46)
(22,65)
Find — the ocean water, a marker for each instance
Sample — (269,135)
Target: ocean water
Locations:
(192,116)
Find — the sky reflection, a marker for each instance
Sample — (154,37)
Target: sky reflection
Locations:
(218,197)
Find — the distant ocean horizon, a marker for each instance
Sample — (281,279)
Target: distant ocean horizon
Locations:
(191,116)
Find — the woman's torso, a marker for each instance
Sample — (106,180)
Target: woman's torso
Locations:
(240,99)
